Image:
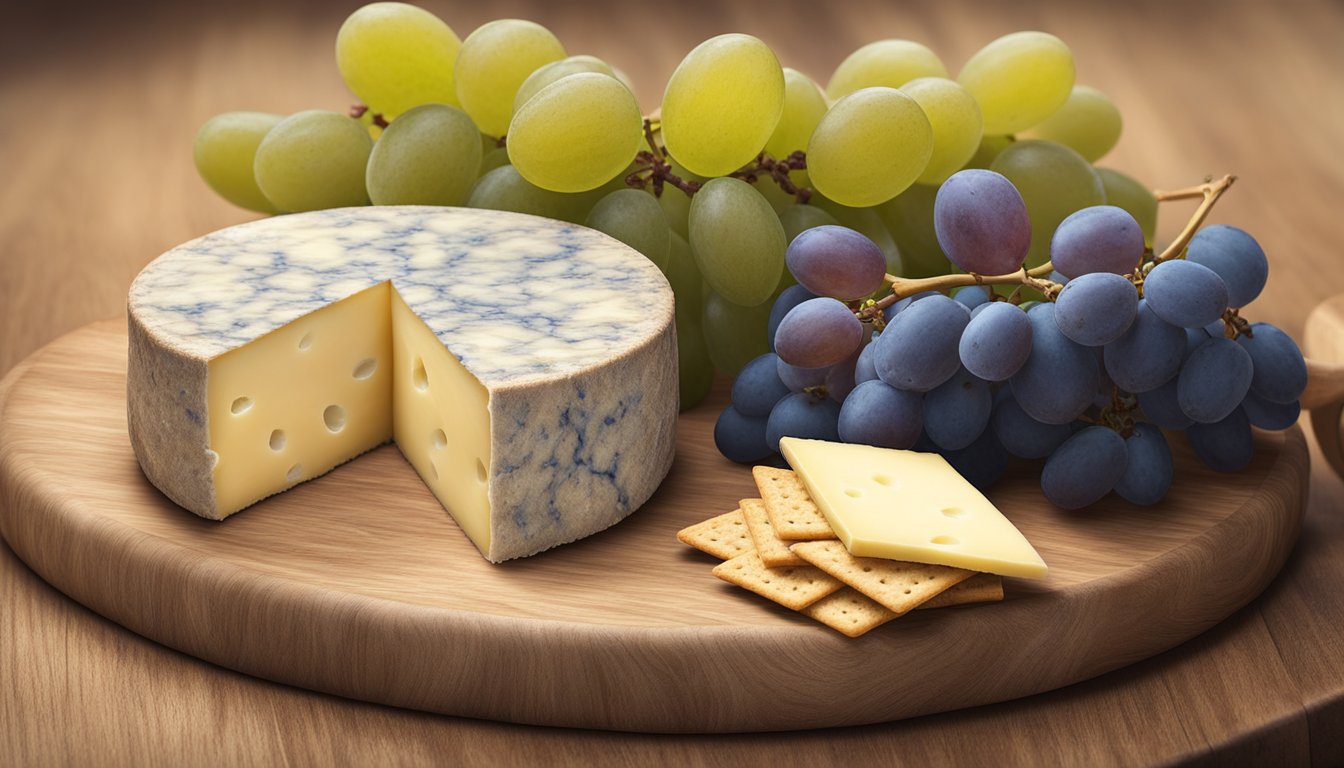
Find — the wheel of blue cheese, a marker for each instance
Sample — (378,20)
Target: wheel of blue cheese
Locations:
(526,368)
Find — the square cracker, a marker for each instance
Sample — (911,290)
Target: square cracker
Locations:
(774,551)
(848,612)
(792,513)
(724,536)
(793,587)
(899,586)
(980,588)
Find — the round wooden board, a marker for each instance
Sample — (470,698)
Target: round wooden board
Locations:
(359,584)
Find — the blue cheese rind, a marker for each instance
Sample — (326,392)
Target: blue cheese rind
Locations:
(569,332)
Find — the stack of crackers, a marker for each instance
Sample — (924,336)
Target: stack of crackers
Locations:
(781,547)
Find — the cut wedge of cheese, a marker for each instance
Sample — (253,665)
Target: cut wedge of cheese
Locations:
(905,505)
(526,368)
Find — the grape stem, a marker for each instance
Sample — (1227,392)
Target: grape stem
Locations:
(1037,277)
(357,111)
(1210,191)
(654,170)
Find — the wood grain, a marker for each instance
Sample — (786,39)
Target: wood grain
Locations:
(103,101)
(319,585)
(1324,341)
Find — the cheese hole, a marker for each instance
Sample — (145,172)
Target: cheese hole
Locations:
(480,470)
(418,376)
(334,417)
(306,342)
(295,472)
(853,493)
(439,439)
(241,405)
(953,511)
(883,479)
(278,440)
(212,457)
(364,370)
(949,540)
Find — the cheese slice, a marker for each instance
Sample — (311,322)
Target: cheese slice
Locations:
(525,367)
(905,505)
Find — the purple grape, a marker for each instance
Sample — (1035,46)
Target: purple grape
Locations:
(981,222)
(758,387)
(1022,435)
(1280,372)
(796,379)
(1236,257)
(741,438)
(788,299)
(1085,468)
(836,261)
(1214,380)
(1271,416)
(1060,377)
(1186,294)
(863,368)
(918,350)
(802,415)
(981,463)
(1225,446)
(1102,238)
(1162,408)
(817,334)
(881,415)
(1148,471)
(1148,354)
(957,411)
(1096,308)
(996,342)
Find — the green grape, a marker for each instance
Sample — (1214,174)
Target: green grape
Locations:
(869,147)
(224,151)
(313,160)
(722,103)
(954,116)
(889,63)
(367,119)
(909,218)
(494,62)
(634,217)
(737,240)
(1019,80)
(576,134)
(1088,123)
(867,222)
(733,333)
(695,371)
(549,73)
(620,74)
(684,276)
(395,56)
(804,104)
(497,157)
(504,189)
(990,147)
(797,219)
(774,194)
(1054,181)
(431,155)
(1126,192)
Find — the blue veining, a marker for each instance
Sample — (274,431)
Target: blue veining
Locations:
(515,297)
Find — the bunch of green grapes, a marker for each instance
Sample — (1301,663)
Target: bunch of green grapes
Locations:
(742,156)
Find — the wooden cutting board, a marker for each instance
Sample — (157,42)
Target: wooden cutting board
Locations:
(359,584)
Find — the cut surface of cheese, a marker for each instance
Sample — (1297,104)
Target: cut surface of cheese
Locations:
(905,505)
(526,368)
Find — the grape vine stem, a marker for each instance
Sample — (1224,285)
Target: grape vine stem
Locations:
(1038,277)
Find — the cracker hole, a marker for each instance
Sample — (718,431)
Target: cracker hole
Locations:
(295,473)
(334,418)
(945,540)
(306,343)
(883,479)
(277,440)
(438,440)
(419,379)
(953,511)
(853,493)
(867,569)
(907,591)
(240,406)
(364,369)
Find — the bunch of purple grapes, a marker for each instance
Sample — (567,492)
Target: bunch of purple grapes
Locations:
(1086,380)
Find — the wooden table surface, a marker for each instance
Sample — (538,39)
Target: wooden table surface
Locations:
(101,104)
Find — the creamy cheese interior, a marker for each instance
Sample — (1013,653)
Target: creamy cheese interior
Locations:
(299,401)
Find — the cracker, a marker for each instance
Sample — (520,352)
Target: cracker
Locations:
(793,587)
(899,586)
(724,536)
(848,612)
(980,588)
(792,513)
(774,551)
